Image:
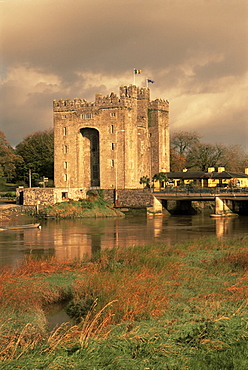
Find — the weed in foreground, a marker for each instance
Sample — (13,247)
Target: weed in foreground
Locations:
(157,307)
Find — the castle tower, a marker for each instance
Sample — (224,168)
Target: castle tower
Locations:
(159,135)
(111,142)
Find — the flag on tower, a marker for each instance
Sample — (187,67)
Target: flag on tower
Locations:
(151,81)
(137,71)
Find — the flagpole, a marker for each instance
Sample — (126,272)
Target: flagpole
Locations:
(134,76)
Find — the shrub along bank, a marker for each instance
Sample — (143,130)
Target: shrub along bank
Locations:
(93,206)
(145,307)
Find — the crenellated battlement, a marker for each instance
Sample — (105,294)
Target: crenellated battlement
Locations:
(111,100)
(159,104)
(128,95)
(70,105)
(143,93)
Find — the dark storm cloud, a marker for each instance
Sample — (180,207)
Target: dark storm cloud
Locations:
(60,49)
(106,35)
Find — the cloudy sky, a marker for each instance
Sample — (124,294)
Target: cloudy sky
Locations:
(195,50)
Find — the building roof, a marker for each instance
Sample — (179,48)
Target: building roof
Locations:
(225,175)
(185,175)
(194,175)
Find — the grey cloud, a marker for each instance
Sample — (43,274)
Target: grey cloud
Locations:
(165,38)
(109,35)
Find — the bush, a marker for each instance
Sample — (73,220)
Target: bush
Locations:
(8,194)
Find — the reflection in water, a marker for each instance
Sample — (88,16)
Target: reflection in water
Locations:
(69,239)
(223,226)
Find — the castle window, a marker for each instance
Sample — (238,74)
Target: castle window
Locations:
(64,195)
(112,129)
(112,163)
(65,149)
(64,116)
(65,177)
(112,114)
(64,131)
(65,165)
(112,146)
(87,116)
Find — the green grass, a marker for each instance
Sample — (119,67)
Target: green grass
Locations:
(145,307)
(91,207)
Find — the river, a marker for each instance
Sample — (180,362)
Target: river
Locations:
(69,239)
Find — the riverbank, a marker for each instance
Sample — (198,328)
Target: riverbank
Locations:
(153,306)
(91,207)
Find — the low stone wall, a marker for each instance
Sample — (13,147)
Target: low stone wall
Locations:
(109,195)
(34,196)
(46,196)
(133,198)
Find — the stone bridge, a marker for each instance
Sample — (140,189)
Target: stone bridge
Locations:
(236,199)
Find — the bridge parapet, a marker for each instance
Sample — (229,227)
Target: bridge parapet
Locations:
(202,193)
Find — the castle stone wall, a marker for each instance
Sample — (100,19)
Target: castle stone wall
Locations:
(132,134)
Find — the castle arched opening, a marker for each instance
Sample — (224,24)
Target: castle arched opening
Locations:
(93,157)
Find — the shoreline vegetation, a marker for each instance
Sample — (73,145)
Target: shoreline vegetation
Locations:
(94,206)
(91,207)
(144,307)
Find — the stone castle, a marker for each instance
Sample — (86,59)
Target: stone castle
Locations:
(111,142)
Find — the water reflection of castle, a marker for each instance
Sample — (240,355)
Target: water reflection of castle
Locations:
(73,239)
(224,226)
(78,238)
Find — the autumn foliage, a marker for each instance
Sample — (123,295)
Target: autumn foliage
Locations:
(193,296)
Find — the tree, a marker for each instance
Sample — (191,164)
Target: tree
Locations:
(145,180)
(181,143)
(235,159)
(8,159)
(187,151)
(202,156)
(37,151)
(160,177)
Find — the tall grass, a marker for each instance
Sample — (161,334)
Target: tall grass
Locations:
(154,307)
(91,207)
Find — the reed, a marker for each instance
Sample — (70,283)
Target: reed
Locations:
(183,305)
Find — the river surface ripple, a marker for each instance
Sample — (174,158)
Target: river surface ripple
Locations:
(69,239)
